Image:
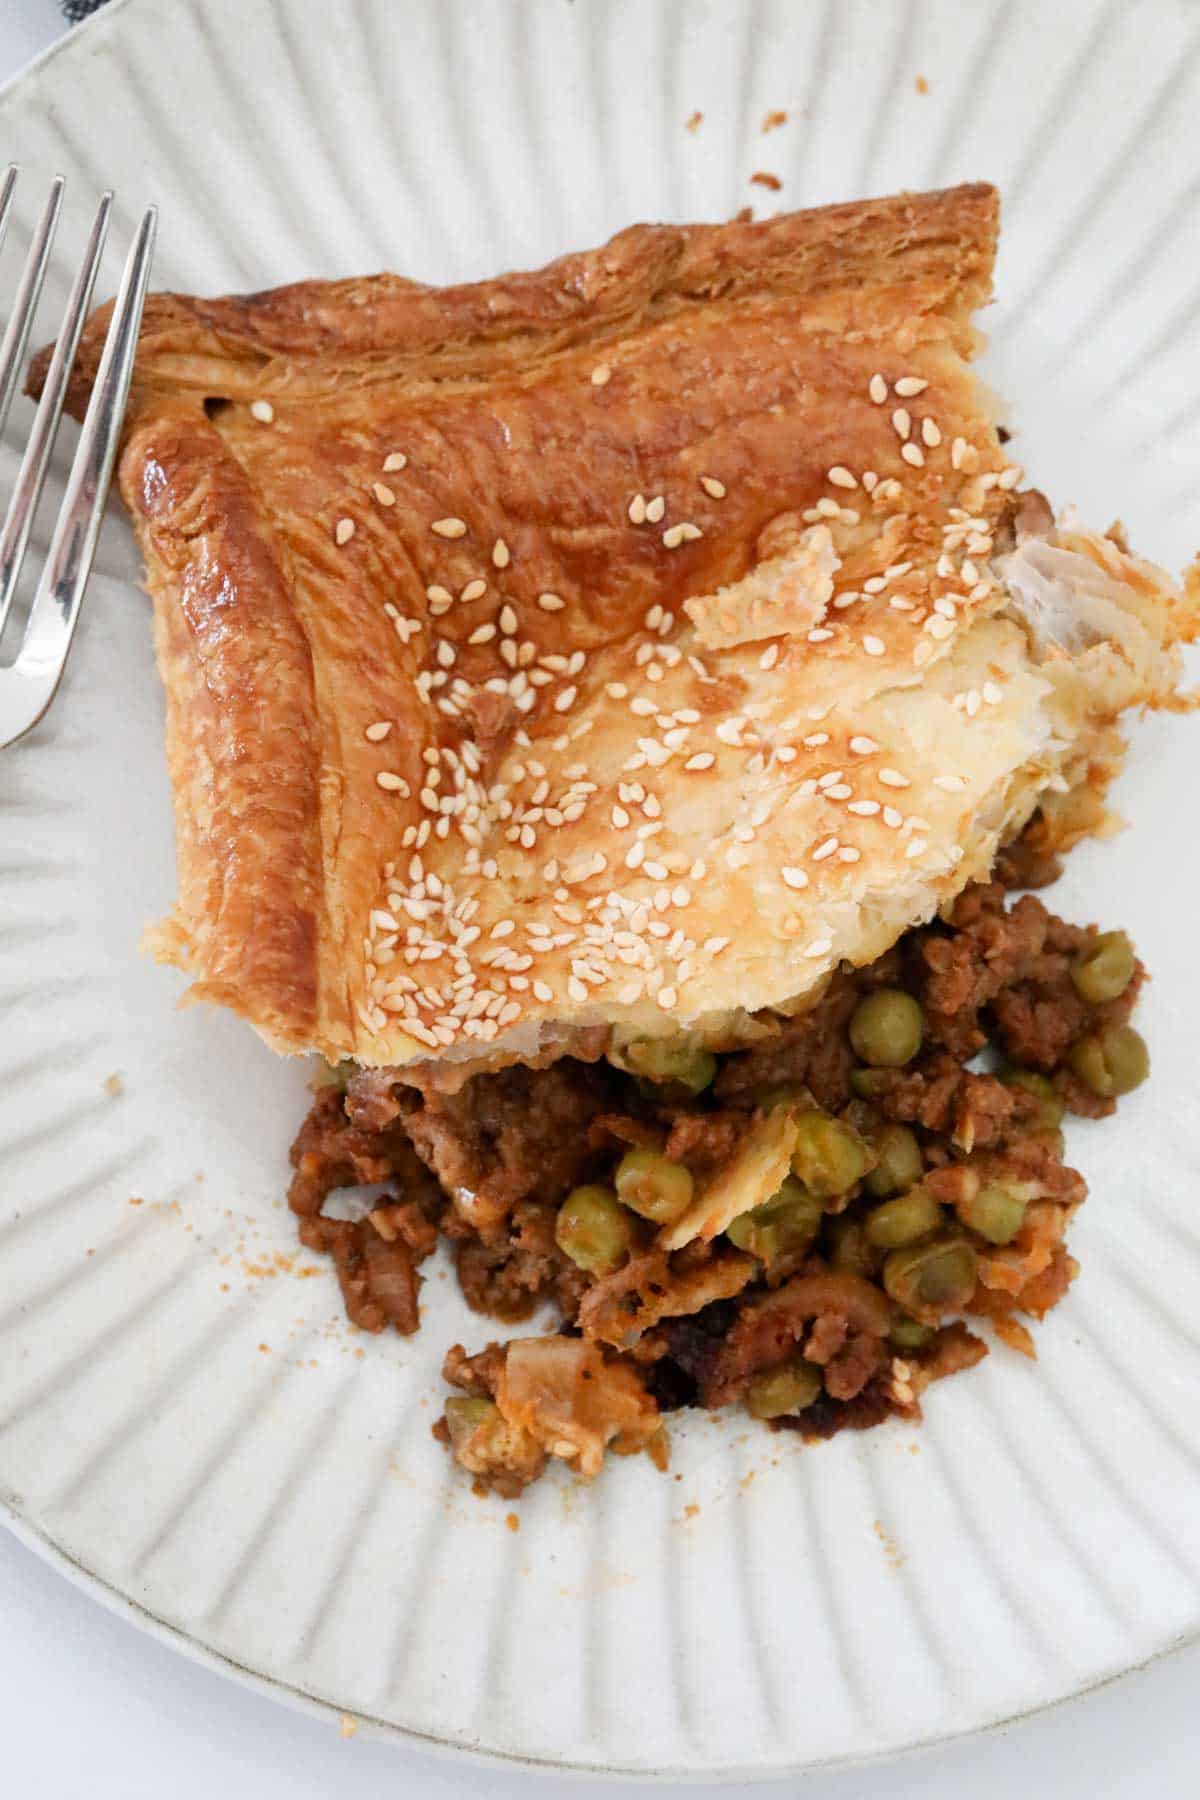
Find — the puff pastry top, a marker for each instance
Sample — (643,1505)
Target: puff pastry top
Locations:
(614,645)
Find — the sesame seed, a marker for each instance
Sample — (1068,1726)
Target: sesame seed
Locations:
(820,947)
(826,508)
(343,532)
(930,433)
(894,779)
(873,646)
(543,992)
(703,759)
(392,783)
(828,848)
(939,627)
(383,493)
(865,809)
(474,590)
(449,528)
(712,486)
(878,389)
(913,848)
(958,451)
(666,998)
(892,818)
(869,480)
(972,702)
(655,509)
(394,462)
(901,422)
(439,596)
(551,602)
(909,385)
(376,733)
(913,455)
(563,703)
(263,411)
(841,477)
(501,555)
(992,694)
(840,790)
(1009,477)
(874,584)
(483,634)
(820,634)
(769,657)
(794,878)
(951,784)
(848,854)
(863,746)
(601,375)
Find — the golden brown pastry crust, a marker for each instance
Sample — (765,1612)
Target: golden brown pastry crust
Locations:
(451,765)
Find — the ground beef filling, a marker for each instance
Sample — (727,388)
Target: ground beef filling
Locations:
(927,1187)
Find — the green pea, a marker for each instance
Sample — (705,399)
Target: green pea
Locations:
(829,1156)
(886,1028)
(1104,968)
(1111,1062)
(675,1061)
(594,1230)
(788,1389)
(848,1246)
(464,1417)
(1050,1108)
(900,1164)
(654,1186)
(786,1223)
(909,1334)
(994,1213)
(903,1220)
(934,1277)
(869,1084)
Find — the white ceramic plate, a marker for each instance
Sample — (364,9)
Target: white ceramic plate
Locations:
(184,1419)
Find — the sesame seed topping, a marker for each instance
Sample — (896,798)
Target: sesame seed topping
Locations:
(712,486)
(439,596)
(958,451)
(913,848)
(392,783)
(376,733)
(863,746)
(950,784)
(841,477)
(601,375)
(865,809)
(394,462)
(848,854)
(383,493)
(930,433)
(474,590)
(873,646)
(820,634)
(794,878)
(703,759)
(564,702)
(913,455)
(637,510)
(666,998)
(992,694)
(483,634)
(827,849)
(682,533)
(1009,477)
(449,528)
(901,422)
(343,532)
(892,818)
(819,947)
(263,411)
(894,779)
(910,385)
(878,389)
(551,602)
(769,657)
(655,509)
(939,627)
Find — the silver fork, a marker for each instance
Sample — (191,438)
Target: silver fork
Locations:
(28,683)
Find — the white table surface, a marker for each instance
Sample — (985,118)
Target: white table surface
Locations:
(89,1704)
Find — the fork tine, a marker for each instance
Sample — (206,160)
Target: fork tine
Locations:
(16,336)
(15,535)
(6,197)
(55,609)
